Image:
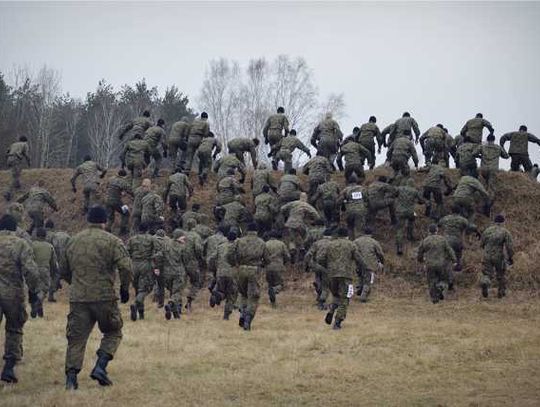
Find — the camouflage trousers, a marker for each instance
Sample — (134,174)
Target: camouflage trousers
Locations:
(322,284)
(14,313)
(339,287)
(285,156)
(247,281)
(136,169)
(45,282)
(518,160)
(456,243)
(135,222)
(174,148)
(494,268)
(274,277)
(438,279)
(470,169)
(437,195)
(37,217)
(112,210)
(81,320)
(466,206)
(491,179)
(193,145)
(330,210)
(194,277)
(355,169)
(205,163)
(400,165)
(356,220)
(15,165)
(156,161)
(143,281)
(375,207)
(314,182)
(294,237)
(90,197)
(226,286)
(177,203)
(405,226)
(175,284)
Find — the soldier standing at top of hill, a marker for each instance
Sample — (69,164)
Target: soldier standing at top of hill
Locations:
(90,172)
(275,128)
(474,127)
(403,127)
(34,202)
(197,131)
(93,257)
(519,148)
(16,153)
(327,137)
(368,133)
(155,136)
(137,126)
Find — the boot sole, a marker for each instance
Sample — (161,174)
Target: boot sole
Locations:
(103,381)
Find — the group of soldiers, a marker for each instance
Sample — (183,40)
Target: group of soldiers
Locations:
(318,226)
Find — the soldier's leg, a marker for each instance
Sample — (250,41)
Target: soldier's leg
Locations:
(193,277)
(178,284)
(110,216)
(433,279)
(253,293)
(392,213)
(487,275)
(343,295)
(157,163)
(15,317)
(349,171)
(110,324)
(334,290)
(501,278)
(242,286)
(324,287)
(426,194)
(230,297)
(439,208)
(526,162)
(400,231)
(16,170)
(144,287)
(515,162)
(87,204)
(80,322)
(410,228)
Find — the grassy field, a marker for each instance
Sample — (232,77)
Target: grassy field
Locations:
(391,351)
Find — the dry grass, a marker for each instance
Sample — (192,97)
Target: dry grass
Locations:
(390,352)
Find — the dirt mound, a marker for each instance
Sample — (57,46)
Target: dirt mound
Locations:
(518,198)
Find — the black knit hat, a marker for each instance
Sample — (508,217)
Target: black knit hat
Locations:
(97,215)
(499,218)
(8,222)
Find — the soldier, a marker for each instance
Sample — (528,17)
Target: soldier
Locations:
(136,157)
(473,129)
(407,197)
(276,256)
(275,128)
(198,130)
(368,133)
(297,214)
(241,145)
(161,240)
(266,210)
(117,187)
(262,176)
(489,165)
(519,148)
(178,192)
(34,202)
(59,241)
(142,249)
(153,211)
(496,242)
(342,259)
(313,261)
(47,264)
(380,195)
(318,170)
(90,172)
(434,143)
(137,126)
(314,233)
(351,201)
(534,172)
(234,214)
(139,194)
(210,250)
(225,163)
(436,176)
(404,127)
(247,254)
(325,199)
(453,227)
(178,138)
(228,188)
(156,136)
(284,151)
(399,153)
(93,256)
(194,214)
(355,155)
(289,188)
(438,256)
(208,145)
(466,155)
(16,210)
(171,263)
(327,137)
(225,288)
(373,255)
(465,195)
(18,268)
(16,153)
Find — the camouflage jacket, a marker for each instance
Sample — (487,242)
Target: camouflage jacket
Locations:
(406,199)
(436,252)
(248,250)
(261,177)
(371,251)
(276,254)
(289,183)
(155,136)
(405,126)
(90,172)
(36,199)
(519,141)
(211,244)
(142,247)
(402,149)
(368,133)
(297,212)
(353,198)
(314,259)
(223,164)
(140,193)
(45,256)
(275,125)
(18,150)
(116,188)
(495,240)
(221,259)
(178,185)
(209,144)
(467,153)
(199,129)
(473,129)
(342,259)
(491,153)
(328,191)
(136,152)
(355,154)
(318,168)
(454,226)
(179,132)
(152,208)
(436,176)
(291,143)
(468,186)
(266,206)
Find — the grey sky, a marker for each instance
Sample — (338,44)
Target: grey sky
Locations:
(443,62)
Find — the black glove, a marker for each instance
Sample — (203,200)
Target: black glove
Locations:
(74,189)
(309,154)
(269,154)
(165,153)
(510,261)
(266,140)
(105,172)
(124,295)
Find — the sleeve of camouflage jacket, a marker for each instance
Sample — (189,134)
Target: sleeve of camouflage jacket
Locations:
(76,174)
(533,139)
(416,129)
(487,124)
(360,263)
(509,244)
(450,252)
(505,137)
(122,262)
(29,268)
(50,200)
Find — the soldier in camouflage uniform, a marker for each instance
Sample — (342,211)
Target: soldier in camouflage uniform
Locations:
(247,253)
(368,133)
(153,211)
(473,129)
(171,263)
(407,197)
(225,288)
(355,155)
(156,136)
(139,194)
(228,188)
(318,170)
(178,137)
(438,256)
(117,187)
(90,172)
(209,148)
(327,137)
(399,153)
(275,128)
(466,155)
(496,242)
(378,196)
(47,264)
(142,249)
(465,196)
(314,233)
(59,241)
(137,126)
(34,202)
(177,192)
(313,261)
(351,201)
(325,199)
(241,145)
(373,255)
(262,176)
(489,166)
(210,250)
(519,148)
(93,257)
(17,267)
(404,127)
(433,143)
(16,210)
(283,151)
(225,163)
(234,214)
(198,130)
(16,153)
(289,188)
(276,257)
(194,214)
(266,210)
(343,260)
(432,188)
(136,157)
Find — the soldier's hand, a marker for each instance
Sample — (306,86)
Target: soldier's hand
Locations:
(379,150)
(309,154)
(103,174)
(124,295)
(74,189)
(156,272)
(510,261)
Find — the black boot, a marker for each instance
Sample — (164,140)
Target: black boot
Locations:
(8,373)
(141,312)
(501,293)
(188,305)
(330,315)
(71,380)
(176,311)
(51,297)
(241,319)
(168,311)
(247,322)
(485,291)
(133,312)
(337,324)
(39,310)
(272,296)
(399,249)
(99,372)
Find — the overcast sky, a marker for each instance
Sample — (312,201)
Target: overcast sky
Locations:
(443,62)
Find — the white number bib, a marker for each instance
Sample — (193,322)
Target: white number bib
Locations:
(350,291)
(356,196)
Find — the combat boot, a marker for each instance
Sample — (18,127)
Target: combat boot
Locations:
(8,373)
(272,296)
(133,312)
(51,297)
(71,380)
(39,310)
(226,313)
(485,290)
(99,372)
(188,305)
(176,311)
(168,310)
(320,305)
(330,315)
(365,293)
(399,249)
(247,321)
(337,324)
(201,180)
(141,312)
(501,293)
(242,318)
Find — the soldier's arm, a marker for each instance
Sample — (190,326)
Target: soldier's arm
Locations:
(73,180)
(464,129)
(188,186)
(533,139)
(265,130)
(53,262)
(509,244)
(167,190)
(50,200)
(379,138)
(504,154)
(504,139)
(23,198)
(286,125)
(216,165)
(302,147)
(370,157)
(339,160)
(29,268)
(450,252)
(217,148)
(488,125)
(416,129)
(379,253)
(414,155)
(360,263)
(421,249)
(253,153)
(124,129)
(315,137)
(122,262)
